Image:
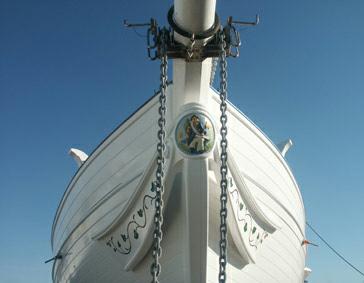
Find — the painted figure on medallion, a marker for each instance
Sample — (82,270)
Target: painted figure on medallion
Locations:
(195,134)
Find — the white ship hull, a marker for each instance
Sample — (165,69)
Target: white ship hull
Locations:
(103,226)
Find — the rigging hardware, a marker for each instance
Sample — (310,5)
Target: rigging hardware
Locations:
(54,258)
(129,25)
(243,23)
(223,42)
(192,52)
(155,268)
(334,250)
(223,160)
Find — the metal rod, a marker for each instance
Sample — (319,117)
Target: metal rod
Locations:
(231,21)
(54,258)
(129,25)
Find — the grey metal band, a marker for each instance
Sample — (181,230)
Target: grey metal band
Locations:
(202,35)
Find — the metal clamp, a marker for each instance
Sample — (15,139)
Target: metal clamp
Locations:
(197,36)
(175,49)
(232,35)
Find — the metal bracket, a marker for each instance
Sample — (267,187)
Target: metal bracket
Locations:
(175,49)
(233,37)
(243,23)
(129,25)
(54,258)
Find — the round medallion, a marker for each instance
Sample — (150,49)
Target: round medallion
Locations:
(195,134)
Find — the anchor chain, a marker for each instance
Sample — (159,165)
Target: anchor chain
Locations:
(155,268)
(224,42)
(223,157)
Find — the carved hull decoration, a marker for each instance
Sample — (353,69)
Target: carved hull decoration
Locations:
(248,224)
(123,244)
(251,233)
(254,234)
(114,242)
(195,134)
(103,228)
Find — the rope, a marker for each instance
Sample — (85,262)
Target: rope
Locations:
(334,250)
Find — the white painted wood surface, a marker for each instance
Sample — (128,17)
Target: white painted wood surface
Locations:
(107,191)
(103,225)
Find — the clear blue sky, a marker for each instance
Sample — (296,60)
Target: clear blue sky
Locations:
(69,74)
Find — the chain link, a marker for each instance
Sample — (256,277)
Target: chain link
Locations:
(155,268)
(223,157)
(158,218)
